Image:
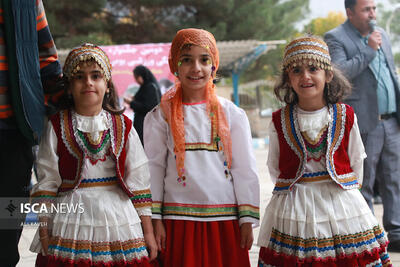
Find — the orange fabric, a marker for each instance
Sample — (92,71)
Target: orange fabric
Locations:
(171,102)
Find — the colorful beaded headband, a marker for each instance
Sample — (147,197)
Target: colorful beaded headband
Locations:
(307,50)
(83,53)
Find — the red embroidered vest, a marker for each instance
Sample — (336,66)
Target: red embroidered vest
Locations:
(293,152)
(71,155)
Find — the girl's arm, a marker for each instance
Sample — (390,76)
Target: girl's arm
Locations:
(148,234)
(356,151)
(155,134)
(49,180)
(243,169)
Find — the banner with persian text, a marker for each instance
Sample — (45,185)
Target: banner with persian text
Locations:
(124,58)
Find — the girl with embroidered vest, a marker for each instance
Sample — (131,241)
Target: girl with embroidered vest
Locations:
(91,162)
(317,215)
(203,171)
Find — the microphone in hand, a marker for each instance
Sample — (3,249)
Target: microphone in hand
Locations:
(372,24)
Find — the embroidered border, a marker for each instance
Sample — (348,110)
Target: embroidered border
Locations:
(141,198)
(93,182)
(156,207)
(212,145)
(67,134)
(200,211)
(97,251)
(326,247)
(246,210)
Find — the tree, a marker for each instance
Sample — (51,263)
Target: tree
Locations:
(320,26)
(74,22)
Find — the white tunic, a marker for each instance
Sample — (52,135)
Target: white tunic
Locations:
(108,216)
(210,192)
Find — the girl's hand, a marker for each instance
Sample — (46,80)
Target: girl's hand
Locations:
(246,235)
(44,235)
(160,235)
(148,234)
(151,245)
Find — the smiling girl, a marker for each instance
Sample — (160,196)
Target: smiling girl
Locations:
(317,215)
(91,157)
(203,174)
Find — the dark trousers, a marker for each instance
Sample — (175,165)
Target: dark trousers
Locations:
(16,161)
(382,164)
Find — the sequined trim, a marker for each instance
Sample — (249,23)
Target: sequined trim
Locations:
(94,182)
(97,251)
(141,198)
(327,247)
(198,210)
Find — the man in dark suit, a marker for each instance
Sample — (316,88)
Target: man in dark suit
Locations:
(363,52)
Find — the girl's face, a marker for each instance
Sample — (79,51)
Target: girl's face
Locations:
(308,82)
(194,68)
(88,87)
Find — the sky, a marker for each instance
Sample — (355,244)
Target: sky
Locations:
(321,8)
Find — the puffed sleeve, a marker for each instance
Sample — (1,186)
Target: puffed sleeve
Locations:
(273,153)
(49,179)
(356,151)
(155,135)
(244,170)
(137,175)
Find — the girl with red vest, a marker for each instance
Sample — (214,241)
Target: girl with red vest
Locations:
(203,172)
(93,180)
(317,215)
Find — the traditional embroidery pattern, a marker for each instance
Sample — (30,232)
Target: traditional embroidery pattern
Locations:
(98,252)
(249,211)
(196,210)
(335,134)
(316,148)
(93,182)
(326,247)
(43,196)
(141,198)
(213,145)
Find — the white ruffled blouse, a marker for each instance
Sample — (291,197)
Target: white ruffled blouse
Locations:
(313,123)
(137,175)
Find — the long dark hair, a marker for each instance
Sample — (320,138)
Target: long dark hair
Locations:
(146,75)
(334,92)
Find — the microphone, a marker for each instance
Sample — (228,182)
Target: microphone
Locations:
(372,24)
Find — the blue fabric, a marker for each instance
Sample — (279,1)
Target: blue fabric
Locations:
(27,52)
(385,90)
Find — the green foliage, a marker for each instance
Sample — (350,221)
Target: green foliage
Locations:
(152,21)
(320,26)
(73,22)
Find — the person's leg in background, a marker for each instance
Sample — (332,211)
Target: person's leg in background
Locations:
(16,160)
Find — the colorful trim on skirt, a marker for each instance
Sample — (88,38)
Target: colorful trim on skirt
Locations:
(203,244)
(64,252)
(361,249)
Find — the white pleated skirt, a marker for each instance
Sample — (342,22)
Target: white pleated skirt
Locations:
(320,220)
(108,229)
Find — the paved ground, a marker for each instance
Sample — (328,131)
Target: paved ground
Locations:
(28,258)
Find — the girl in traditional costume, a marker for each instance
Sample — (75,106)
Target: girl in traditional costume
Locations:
(317,215)
(91,161)
(203,171)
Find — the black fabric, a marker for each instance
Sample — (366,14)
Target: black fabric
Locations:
(16,160)
(146,99)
